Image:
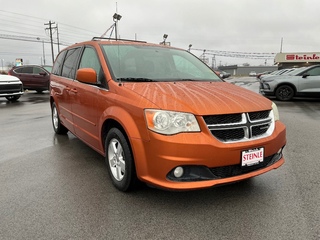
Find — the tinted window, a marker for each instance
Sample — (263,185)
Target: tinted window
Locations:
(90,60)
(314,71)
(37,70)
(27,70)
(69,65)
(18,70)
(58,63)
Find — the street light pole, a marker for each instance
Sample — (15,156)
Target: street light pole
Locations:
(43,55)
(116,18)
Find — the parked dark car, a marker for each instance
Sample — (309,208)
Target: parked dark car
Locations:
(33,77)
(224,74)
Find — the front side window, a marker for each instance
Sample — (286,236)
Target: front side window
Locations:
(37,70)
(314,71)
(90,59)
(153,63)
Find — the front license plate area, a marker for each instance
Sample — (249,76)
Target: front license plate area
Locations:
(252,157)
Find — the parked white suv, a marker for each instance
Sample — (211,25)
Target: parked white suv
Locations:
(10,87)
(301,82)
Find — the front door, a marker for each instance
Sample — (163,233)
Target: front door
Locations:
(87,105)
(310,83)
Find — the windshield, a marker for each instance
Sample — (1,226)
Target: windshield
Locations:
(48,68)
(152,63)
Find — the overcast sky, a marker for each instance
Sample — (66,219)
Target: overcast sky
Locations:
(246,26)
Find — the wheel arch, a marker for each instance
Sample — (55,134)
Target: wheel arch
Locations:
(121,119)
(288,84)
(109,124)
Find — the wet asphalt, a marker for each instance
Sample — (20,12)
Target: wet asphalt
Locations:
(56,187)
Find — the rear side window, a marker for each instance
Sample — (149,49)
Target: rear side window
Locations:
(18,70)
(27,70)
(56,70)
(69,65)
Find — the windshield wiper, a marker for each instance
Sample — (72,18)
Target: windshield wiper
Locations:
(187,79)
(130,79)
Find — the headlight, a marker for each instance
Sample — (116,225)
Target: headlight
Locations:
(275,111)
(169,122)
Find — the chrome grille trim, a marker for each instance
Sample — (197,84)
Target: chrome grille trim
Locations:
(249,126)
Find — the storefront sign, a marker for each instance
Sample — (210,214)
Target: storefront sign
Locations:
(298,57)
(302,57)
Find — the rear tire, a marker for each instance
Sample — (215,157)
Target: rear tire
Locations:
(56,123)
(119,160)
(284,93)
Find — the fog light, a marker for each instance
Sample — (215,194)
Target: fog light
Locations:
(178,172)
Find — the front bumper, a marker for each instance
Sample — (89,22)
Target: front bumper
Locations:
(11,89)
(207,162)
(265,89)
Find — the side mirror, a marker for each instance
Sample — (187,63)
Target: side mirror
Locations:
(42,74)
(87,75)
(305,75)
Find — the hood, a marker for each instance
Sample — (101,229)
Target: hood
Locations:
(8,78)
(200,98)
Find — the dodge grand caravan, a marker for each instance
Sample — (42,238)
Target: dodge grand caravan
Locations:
(161,116)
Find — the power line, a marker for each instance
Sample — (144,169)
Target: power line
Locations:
(251,55)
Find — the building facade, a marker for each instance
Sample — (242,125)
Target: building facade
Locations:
(290,60)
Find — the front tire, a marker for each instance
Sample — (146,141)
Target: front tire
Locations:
(119,160)
(284,93)
(56,123)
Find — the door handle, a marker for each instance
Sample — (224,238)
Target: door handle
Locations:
(74,90)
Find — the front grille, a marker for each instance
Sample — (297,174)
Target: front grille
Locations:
(259,130)
(259,115)
(223,119)
(229,135)
(240,127)
(10,88)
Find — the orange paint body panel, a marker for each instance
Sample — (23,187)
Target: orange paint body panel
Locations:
(212,123)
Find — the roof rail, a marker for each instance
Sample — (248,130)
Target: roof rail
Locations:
(103,38)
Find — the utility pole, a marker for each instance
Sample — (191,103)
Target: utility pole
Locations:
(50,30)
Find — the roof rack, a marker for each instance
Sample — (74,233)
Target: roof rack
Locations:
(103,38)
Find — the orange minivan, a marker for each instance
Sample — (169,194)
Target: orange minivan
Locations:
(161,116)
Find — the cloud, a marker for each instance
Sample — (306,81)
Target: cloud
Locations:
(225,25)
